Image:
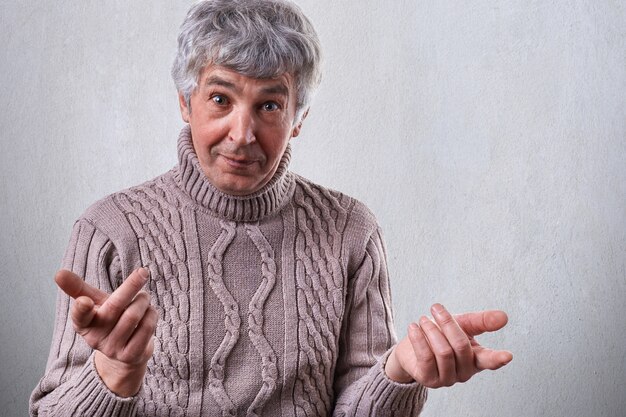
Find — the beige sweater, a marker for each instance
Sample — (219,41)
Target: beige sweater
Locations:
(273,304)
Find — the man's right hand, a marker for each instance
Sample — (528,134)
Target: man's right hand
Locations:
(119,326)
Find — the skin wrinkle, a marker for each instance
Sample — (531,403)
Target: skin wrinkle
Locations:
(278,89)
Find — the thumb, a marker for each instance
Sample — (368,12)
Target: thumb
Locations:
(491,359)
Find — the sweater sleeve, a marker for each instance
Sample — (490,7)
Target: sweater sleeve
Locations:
(71,385)
(366,340)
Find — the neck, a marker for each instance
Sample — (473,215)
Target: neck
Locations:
(253,207)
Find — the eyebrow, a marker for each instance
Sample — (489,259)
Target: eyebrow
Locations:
(215,80)
(278,88)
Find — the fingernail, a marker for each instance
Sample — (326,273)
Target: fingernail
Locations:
(438,308)
(424,320)
(413,331)
(144,273)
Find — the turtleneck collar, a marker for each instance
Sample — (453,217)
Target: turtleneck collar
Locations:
(253,207)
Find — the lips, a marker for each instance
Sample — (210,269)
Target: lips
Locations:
(237,161)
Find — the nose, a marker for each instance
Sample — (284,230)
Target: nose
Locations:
(242,127)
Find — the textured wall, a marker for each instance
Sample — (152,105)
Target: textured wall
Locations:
(490,140)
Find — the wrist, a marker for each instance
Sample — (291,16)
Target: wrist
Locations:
(123,379)
(395,371)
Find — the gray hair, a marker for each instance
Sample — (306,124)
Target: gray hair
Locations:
(256,38)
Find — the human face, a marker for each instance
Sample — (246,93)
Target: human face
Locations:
(240,127)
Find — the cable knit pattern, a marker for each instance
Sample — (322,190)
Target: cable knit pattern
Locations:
(320,222)
(232,322)
(255,320)
(275,303)
(156,222)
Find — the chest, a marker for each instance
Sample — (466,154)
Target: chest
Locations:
(247,312)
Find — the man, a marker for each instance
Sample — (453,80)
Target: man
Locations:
(229,285)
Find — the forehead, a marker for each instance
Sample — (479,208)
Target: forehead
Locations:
(218,76)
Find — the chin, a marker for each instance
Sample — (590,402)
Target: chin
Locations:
(239,189)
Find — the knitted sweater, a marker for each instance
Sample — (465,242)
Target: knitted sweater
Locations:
(272,304)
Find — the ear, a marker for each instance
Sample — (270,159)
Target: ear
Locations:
(184,108)
(296,130)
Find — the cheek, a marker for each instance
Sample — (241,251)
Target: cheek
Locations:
(274,142)
(204,146)
(207,135)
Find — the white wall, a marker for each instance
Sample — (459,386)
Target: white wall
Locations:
(489,137)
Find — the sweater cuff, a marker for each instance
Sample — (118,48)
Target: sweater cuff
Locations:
(91,397)
(391,398)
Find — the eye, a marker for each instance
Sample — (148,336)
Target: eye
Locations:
(270,106)
(220,100)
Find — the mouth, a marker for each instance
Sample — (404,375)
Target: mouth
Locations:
(238,162)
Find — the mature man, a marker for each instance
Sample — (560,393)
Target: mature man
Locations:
(229,285)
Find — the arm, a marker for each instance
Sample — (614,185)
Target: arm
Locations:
(367,336)
(73,383)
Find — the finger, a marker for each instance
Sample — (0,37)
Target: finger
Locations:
(444,355)
(127,323)
(483,321)
(83,312)
(458,340)
(426,364)
(492,359)
(75,286)
(117,302)
(140,345)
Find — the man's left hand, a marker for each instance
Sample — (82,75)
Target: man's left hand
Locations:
(444,352)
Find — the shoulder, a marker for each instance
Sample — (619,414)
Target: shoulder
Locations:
(351,218)
(321,197)
(111,214)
